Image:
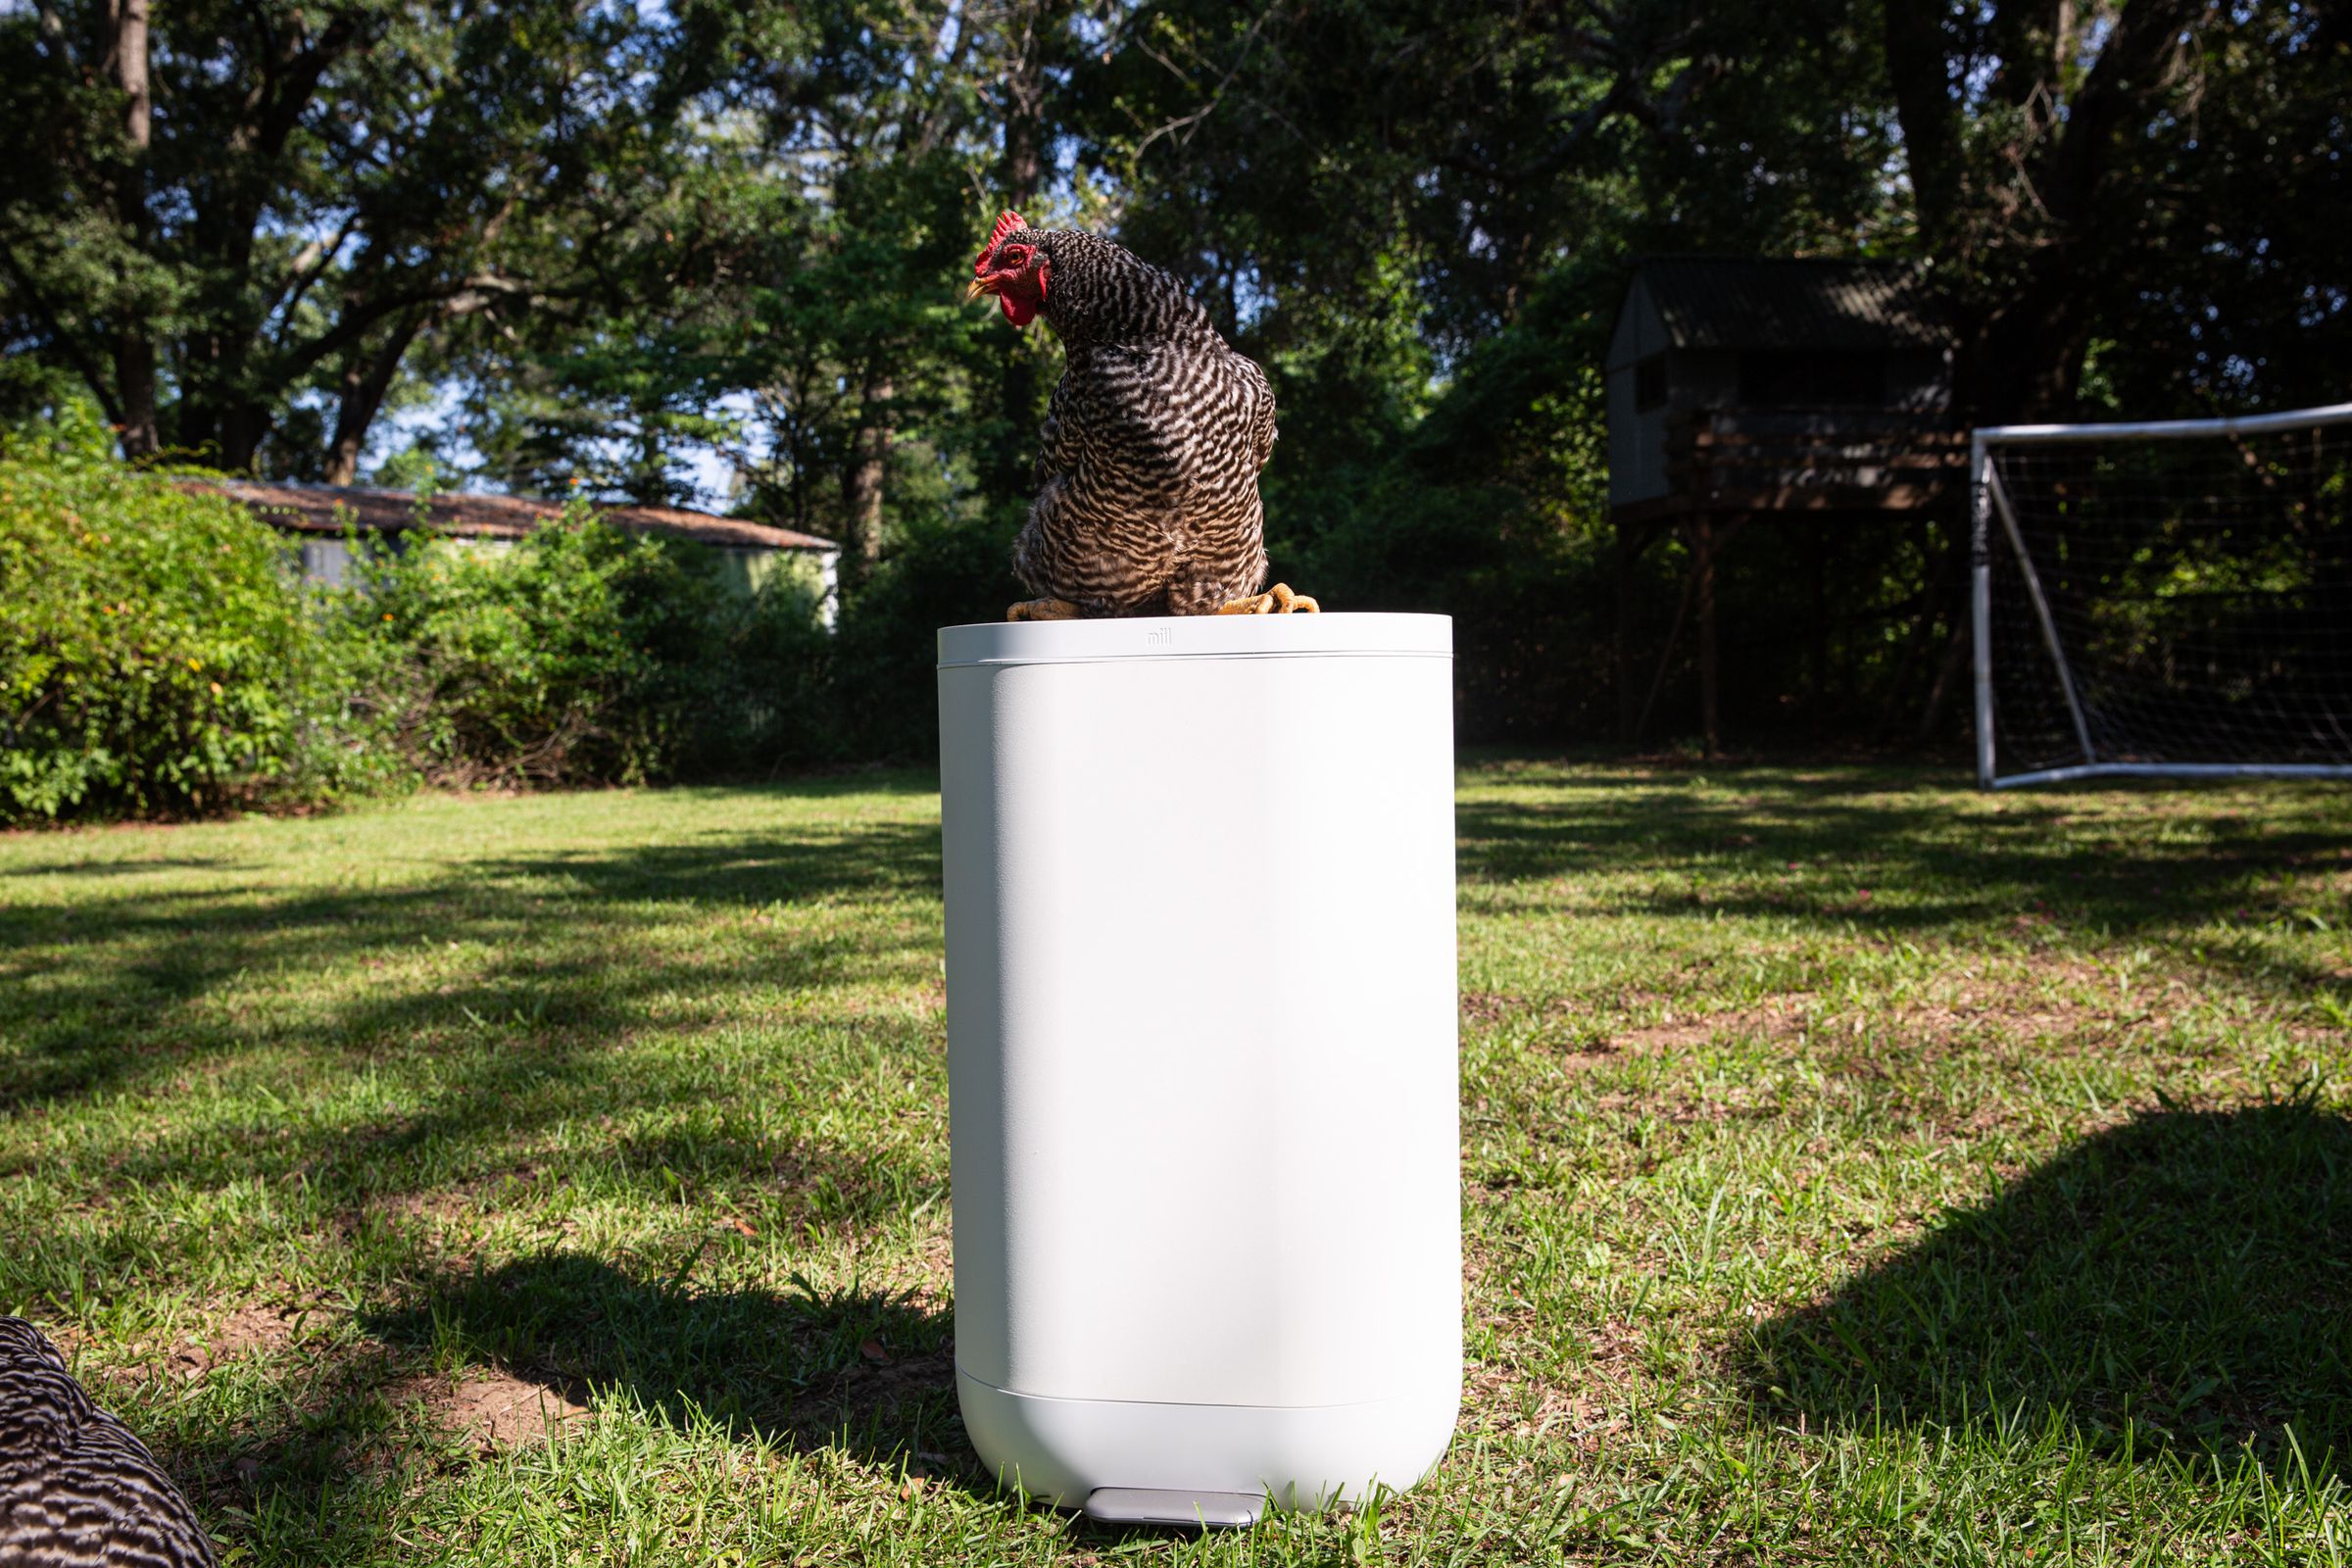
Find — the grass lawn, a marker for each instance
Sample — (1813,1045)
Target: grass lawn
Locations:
(1856,1169)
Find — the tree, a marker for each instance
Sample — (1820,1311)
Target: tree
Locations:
(591,244)
(2054,162)
(244,216)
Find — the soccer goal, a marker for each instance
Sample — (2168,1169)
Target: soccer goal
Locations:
(2165,600)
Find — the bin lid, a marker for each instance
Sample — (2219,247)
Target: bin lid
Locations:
(1064,642)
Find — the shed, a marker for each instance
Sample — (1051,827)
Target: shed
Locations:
(1743,388)
(319,516)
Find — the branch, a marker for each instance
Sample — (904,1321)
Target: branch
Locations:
(309,265)
(1629,67)
(271,131)
(2141,64)
(480,293)
(83,366)
(1185,123)
(363,395)
(457,296)
(931,123)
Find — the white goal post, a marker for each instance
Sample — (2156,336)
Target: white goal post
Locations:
(2168,598)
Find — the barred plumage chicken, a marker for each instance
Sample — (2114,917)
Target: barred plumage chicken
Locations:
(1147,497)
(76,1486)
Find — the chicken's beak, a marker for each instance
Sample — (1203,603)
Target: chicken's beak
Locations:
(977,287)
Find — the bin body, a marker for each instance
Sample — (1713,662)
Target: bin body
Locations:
(1201,1039)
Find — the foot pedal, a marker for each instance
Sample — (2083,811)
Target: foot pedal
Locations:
(1193,1510)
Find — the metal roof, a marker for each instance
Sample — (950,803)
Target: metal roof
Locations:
(1722,302)
(329,508)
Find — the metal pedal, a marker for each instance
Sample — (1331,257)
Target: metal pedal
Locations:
(1191,1510)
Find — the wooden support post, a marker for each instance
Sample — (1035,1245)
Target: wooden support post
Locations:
(1627,711)
(1657,683)
(1703,548)
(1817,701)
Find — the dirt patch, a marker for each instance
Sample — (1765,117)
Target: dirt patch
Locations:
(437,1207)
(1500,1399)
(1485,1006)
(1774,1017)
(2071,1001)
(464,1199)
(1678,1029)
(489,1410)
(254,1329)
(1675,1033)
(934,1290)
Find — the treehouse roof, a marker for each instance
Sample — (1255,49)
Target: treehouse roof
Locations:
(1722,302)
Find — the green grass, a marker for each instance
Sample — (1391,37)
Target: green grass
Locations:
(1856,1169)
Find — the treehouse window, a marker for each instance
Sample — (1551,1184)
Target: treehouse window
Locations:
(1649,384)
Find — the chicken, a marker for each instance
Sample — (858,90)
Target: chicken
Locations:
(1147,497)
(76,1486)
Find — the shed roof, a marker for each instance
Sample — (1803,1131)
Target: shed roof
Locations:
(1723,302)
(329,508)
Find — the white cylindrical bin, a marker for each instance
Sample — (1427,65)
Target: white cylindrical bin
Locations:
(1202,1056)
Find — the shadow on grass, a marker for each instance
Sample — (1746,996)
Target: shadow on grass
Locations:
(326,1472)
(99,866)
(1937,868)
(867,1372)
(2185,1278)
(348,1433)
(117,983)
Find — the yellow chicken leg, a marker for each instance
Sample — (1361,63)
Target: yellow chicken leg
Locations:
(1043,609)
(1275,601)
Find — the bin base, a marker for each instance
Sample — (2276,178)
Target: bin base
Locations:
(1060,1451)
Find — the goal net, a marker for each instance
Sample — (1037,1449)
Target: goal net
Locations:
(2167,600)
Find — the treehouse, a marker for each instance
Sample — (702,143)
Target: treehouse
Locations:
(1809,392)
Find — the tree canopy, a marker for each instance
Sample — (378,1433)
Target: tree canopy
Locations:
(710,252)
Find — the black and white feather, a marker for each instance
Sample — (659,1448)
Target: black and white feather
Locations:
(77,1487)
(1148,469)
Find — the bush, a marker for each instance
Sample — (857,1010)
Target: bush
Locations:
(153,659)
(158,656)
(508,666)
(885,655)
(775,705)
(583,655)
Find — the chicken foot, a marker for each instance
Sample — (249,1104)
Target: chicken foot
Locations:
(1043,609)
(1275,601)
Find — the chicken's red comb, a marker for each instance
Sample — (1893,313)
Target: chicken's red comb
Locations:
(1007,222)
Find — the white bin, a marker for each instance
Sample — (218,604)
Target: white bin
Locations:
(1202,1056)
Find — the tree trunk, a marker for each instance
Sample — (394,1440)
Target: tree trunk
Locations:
(2016,268)
(1621,653)
(1817,656)
(133,347)
(1028,27)
(1710,717)
(1920,76)
(861,483)
(366,380)
(1955,658)
(226,430)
